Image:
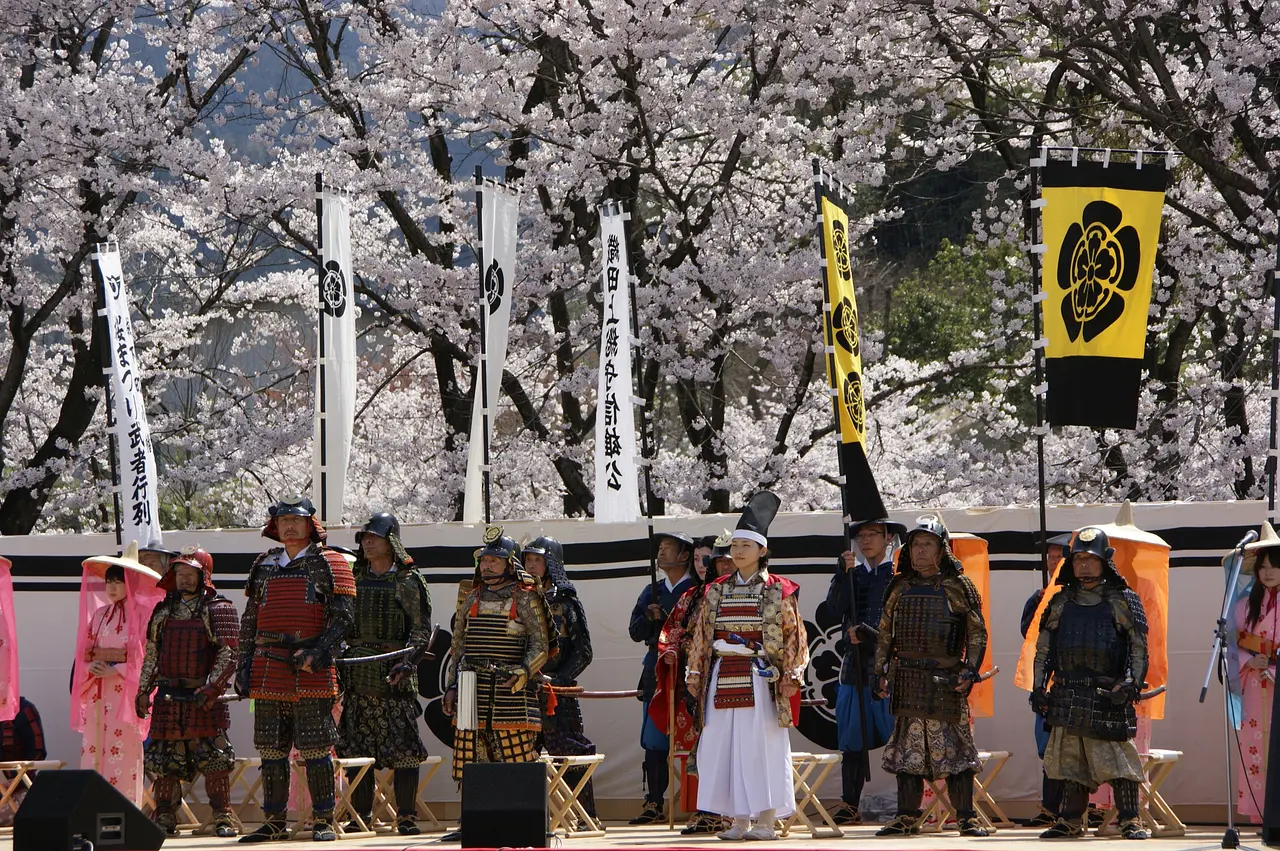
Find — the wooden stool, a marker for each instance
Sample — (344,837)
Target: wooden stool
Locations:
(250,785)
(384,796)
(21,770)
(803,766)
(1156,814)
(566,810)
(984,806)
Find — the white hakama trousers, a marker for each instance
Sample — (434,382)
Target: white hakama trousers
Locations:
(744,758)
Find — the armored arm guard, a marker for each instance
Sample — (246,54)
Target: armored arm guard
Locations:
(147,677)
(1044,658)
(415,601)
(1132,618)
(458,644)
(838,602)
(224,626)
(884,642)
(975,625)
(532,612)
(580,653)
(249,624)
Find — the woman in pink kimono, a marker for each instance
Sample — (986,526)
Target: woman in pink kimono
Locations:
(117,596)
(1257,618)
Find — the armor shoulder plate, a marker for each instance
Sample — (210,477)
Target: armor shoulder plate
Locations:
(224,621)
(253,587)
(342,580)
(970,592)
(409,575)
(1137,613)
(1053,612)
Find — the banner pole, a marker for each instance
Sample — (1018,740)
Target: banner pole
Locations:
(483,384)
(647,448)
(322,434)
(1273,280)
(104,329)
(846,520)
(1032,227)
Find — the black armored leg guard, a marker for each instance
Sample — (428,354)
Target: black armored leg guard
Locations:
(217,785)
(1126,792)
(960,791)
(655,768)
(275,800)
(361,794)
(406,786)
(320,782)
(910,794)
(1075,799)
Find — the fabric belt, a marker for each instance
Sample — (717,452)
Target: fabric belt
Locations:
(175,683)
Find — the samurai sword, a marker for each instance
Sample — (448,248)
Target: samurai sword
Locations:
(579,691)
(222,698)
(393,654)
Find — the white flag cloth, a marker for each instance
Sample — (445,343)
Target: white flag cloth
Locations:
(138,486)
(499,217)
(335,403)
(617,490)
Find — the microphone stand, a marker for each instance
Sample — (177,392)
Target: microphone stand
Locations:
(1218,662)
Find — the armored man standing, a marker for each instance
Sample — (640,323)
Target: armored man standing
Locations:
(932,640)
(192,640)
(380,708)
(1093,644)
(298,611)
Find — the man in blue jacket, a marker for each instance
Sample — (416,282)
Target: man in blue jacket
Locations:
(675,560)
(856,596)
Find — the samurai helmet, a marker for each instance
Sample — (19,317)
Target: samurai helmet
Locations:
(192,556)
(1089,541)
(383,524)
(293,506)
(930,524)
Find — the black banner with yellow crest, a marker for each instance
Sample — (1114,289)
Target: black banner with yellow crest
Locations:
(1101,225)
(860,495)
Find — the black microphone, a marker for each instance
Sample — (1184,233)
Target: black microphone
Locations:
(1247,539)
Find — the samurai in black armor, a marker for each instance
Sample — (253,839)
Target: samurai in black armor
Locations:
(380,708)
(299,609)
(1090,667)
(931,643)
(192,641)
(570,654)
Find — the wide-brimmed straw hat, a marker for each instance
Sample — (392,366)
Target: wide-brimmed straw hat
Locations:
(1252,552)
(98,565)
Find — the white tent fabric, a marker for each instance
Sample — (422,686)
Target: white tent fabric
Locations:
(609,564)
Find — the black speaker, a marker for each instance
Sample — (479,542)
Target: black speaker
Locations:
(504,804)
(65,804)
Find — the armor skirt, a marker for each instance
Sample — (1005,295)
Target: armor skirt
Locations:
(1090,762)
(385,728)
(930,748)
(186,758)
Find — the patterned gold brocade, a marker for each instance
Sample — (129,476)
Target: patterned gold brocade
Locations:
(785,642)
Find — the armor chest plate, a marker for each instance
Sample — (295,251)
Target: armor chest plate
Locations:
(1087,641)
(185,651)
(290,604)
(924,625)
(494,637)
(378,614)
(740,610)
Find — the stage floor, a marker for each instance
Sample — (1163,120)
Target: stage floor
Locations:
(625,836)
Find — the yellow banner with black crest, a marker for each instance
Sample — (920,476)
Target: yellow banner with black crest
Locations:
(1101,226)
(844,360)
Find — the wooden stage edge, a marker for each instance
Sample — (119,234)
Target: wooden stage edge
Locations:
(625,836)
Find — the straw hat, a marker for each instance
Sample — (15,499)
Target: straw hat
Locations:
(1266,540)
(97,565)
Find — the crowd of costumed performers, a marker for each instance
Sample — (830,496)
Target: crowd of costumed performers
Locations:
(328,645)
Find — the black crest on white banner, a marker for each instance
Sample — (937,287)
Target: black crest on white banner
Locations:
(494,286)
(333,289)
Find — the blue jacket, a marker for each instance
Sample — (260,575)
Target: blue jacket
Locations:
(644,630)
(869,588)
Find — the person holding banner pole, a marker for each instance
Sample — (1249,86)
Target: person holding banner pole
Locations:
(656,601)
(856,596)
